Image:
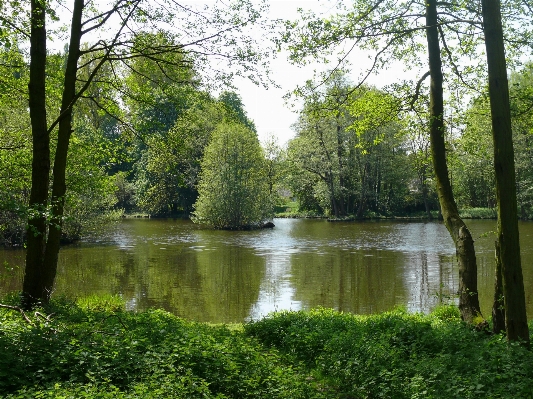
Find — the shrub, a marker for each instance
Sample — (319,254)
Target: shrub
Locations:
(233,189)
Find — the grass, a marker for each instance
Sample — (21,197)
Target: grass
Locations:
(95,349)
(291,209)
(478,213)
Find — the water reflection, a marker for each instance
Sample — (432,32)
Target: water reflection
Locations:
(222,276)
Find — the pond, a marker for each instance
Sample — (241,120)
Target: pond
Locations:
(227,276)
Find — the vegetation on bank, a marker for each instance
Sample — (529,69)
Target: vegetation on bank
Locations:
(292,210)
(94,348)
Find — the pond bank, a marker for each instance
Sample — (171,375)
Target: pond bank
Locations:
(94,348)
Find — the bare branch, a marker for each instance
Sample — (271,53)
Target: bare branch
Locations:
(450,58)
(104,17)
(14,27)
(417,90)
(93,72)
(18,309)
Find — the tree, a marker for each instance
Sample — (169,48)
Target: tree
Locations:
(464,243)
(44,232)
(233,188)
(350,139)
(507,246)
(38,278)
(391,30)
(378,148)
(418,147)
(473,151)
(233,104)
(320,147)
(274,156)
(167,173)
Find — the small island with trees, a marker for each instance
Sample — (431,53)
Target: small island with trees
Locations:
(135,112)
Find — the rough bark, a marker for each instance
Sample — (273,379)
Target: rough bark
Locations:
(33,287)
(498,307)
(464,244)
(508,237)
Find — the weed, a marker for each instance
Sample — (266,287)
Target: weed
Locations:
(94,348)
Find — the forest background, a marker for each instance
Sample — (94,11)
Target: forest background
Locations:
(145,154)
(146,118)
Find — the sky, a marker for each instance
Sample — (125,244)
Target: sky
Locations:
(266,107)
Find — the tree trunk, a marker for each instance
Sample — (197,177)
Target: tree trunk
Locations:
(340,157)
(334,207)
(425,191)
(362,197)
(464,244)
(426,200)
(41,269)
(498,307)
(59,187)
(508,238)
(33,288)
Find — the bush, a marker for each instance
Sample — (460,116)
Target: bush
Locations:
(478,213)
(95,349)
(233,189)
(400,355)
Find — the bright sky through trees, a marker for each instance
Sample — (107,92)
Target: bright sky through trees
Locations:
(267,108)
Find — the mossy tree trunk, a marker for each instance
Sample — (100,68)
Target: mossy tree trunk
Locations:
(464,244)
(508,247)
(33,286)
(498,306)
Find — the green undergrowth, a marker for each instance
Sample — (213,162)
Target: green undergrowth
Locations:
(95,349)
(478,213)
(399,355)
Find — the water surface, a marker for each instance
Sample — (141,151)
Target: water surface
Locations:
(227,276)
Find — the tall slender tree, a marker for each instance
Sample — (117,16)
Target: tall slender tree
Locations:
(34,281)
(464,244)
(507,245)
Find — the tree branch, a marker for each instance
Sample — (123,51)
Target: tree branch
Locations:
(417,90)
(18,309)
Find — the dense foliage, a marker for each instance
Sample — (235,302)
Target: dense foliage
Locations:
(233,187)
(474,149)
(99,350)
(355,153)
(352,154)
(90,199)
(96,349)
(399,355)
(137,145)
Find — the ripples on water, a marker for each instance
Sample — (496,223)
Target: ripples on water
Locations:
(231,276)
